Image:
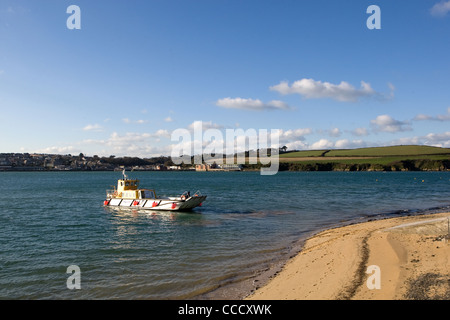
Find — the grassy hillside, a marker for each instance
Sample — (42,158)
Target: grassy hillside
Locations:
(389,151)
(395,158)
(371,152)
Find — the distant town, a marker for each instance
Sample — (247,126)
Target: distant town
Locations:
(80,162)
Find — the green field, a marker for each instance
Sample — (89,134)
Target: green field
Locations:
(394,151)
(389,151)
(393,158)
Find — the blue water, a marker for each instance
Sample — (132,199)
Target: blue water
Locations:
(51,220)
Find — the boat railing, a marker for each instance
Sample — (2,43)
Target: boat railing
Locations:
(111,193)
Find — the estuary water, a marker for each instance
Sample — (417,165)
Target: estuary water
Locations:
(52,220)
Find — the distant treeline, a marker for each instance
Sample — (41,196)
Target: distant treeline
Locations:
(403,165)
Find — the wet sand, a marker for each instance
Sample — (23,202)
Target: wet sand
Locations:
(398,258)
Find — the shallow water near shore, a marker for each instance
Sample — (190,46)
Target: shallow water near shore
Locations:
(51,220)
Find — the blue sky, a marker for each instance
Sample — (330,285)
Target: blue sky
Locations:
(137,70)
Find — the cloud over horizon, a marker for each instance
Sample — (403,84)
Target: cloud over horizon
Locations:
(385,123)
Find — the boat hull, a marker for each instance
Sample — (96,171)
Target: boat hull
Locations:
(166,204)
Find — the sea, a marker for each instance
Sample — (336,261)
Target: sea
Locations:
(57,241)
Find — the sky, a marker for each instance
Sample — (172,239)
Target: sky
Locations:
(136,71)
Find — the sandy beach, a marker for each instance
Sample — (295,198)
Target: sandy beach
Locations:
(391,259)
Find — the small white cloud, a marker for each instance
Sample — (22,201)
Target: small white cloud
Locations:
(252,104)
(422,117)
(360,132)
(440,9)
(128,121)
(322,144)
(93,127)
(161,133)
(132,144)
(439,117)
(335,132)
(295,133)
(204,125)
(312,89)
(386,123)
(438,139)
(168,119)
(431,139)
(347,144)
(59,150)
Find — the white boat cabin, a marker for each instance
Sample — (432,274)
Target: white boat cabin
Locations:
(129,189)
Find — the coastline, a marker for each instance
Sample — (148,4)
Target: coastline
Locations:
(411,252)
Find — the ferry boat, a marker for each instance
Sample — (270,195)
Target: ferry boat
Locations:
(128,195)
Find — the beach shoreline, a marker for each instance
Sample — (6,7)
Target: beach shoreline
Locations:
(408,257)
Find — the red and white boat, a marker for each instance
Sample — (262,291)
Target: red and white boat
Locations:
(128,195)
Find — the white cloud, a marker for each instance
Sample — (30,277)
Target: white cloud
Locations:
(335,132)
(438,139)
(204,125)
(322,144)
(431,139)
(161,133)
(296,145)
(128,121)
(59,150)
(168,119)
(385,123)
(252,104)
(347,144)
(93,127)
(439,117)
(339,144)
(422,117)
(360,132)
(312,89)
(294,139)
(131,144)
(129,138)
(295,134)
(440,9)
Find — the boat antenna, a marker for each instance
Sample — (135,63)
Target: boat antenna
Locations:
(124,175)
